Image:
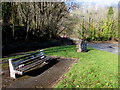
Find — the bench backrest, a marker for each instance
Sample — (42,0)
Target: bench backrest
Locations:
(19,62)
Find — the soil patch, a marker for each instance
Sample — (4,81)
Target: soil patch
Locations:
(45,77)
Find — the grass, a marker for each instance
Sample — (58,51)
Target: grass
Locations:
(94,69)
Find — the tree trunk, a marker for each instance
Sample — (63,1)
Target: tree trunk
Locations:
(27,27)
(13,29)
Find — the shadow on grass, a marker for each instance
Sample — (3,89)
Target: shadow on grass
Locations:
(19,47)
(64,49)
(59,49)
(89,49)
(42,69)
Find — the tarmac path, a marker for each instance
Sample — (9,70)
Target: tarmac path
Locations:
(113,48)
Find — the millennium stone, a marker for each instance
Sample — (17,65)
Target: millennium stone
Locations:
(81,46)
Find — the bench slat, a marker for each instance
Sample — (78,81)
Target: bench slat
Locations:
(29,66)
(27,60)
(25,56)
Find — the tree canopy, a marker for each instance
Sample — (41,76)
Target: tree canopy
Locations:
(39,19)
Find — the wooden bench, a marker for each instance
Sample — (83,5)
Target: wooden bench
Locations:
(26,63)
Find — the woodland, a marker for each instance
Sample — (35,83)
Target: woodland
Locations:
(48,21)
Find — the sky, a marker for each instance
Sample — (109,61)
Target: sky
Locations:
(98,1)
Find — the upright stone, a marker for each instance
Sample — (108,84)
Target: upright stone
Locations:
(81,46)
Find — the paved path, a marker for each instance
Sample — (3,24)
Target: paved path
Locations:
(113,48)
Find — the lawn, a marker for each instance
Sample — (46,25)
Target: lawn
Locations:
(94,69)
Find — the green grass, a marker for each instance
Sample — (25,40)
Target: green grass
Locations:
(94,69)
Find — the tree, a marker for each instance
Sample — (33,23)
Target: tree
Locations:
(110,11)
(40,19)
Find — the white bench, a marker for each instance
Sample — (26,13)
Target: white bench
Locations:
(26,63)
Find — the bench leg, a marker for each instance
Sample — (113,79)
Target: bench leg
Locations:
(12,71)
(12,75)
